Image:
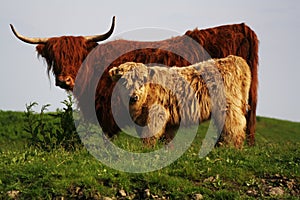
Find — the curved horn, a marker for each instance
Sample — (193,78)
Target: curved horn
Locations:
(97,38)
(28,39)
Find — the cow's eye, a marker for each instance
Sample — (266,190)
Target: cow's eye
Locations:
(133,99)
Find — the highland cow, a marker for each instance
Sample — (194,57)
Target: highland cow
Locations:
(65,55)
(153,103)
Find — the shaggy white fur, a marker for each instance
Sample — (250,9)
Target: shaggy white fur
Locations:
(217,89)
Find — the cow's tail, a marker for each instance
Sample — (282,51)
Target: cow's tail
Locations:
(253,63)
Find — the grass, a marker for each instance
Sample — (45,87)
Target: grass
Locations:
(30,172)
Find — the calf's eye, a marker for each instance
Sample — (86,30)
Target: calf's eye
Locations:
(133,99)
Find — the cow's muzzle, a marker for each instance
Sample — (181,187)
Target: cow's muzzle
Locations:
(65,82)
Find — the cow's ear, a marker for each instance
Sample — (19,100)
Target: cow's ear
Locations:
(91,46)
(39,48)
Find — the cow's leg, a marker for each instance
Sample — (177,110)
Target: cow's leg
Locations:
(234,128)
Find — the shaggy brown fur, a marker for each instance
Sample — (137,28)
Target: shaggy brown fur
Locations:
(153,102)
(64,56)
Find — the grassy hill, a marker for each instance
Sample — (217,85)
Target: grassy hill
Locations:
(270,170)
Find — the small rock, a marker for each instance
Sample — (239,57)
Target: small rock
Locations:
(276,191)
(106,198)
(209,179)
(77,189)
(97,196)
(290,184)
(154,196)
(252,192)
(13,194)
(147,192)
(198,196)
(122,193)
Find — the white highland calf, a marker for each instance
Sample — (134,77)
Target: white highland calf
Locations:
(216,89)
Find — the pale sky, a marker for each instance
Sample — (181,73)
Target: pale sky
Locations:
(23,77)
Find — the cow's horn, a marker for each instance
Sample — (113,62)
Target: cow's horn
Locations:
(98,38)
(28,39)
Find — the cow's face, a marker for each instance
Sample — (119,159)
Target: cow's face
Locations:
(147,101)
(64,56)
(133,86)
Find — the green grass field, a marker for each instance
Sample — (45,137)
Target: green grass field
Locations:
(270,170)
